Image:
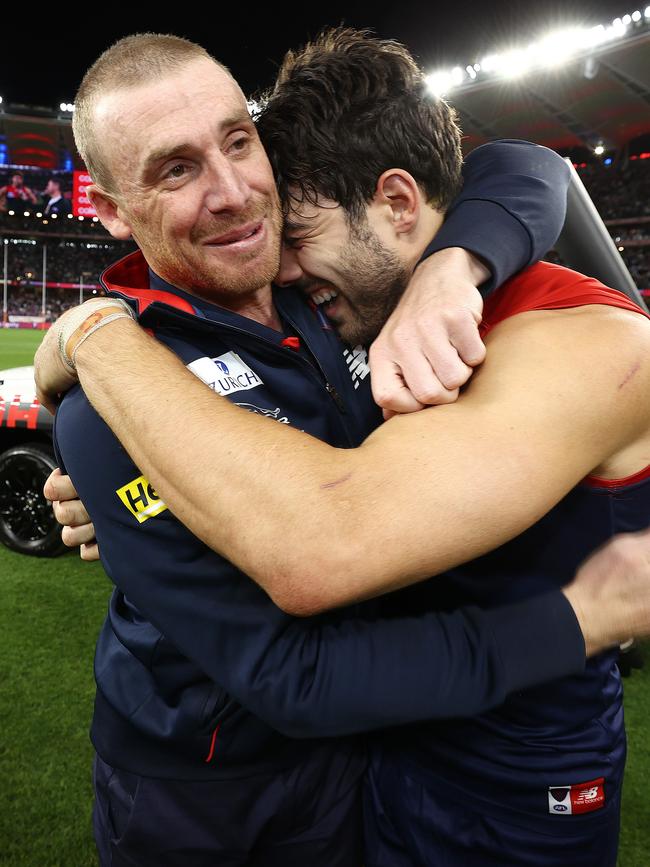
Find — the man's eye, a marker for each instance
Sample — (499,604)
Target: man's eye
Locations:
(240,143)
(177,171)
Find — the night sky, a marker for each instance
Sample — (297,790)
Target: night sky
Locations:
(42,61)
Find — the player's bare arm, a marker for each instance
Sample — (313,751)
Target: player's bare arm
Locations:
(445,485)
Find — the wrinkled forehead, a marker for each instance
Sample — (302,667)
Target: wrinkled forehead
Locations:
(184,104)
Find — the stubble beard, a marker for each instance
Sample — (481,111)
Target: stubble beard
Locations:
(251,273)
(372,285)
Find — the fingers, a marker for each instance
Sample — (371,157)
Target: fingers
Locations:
(82,535)
(78,529)
(59,487)
(413,383)
(423,360)
(464,337)
(89,552)
(71,513)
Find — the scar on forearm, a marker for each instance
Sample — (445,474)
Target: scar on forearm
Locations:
(635,369)
(337,482)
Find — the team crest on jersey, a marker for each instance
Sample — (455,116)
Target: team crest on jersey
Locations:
(226,374)
(578,798)
(357,362)
(265,411)
(141,500)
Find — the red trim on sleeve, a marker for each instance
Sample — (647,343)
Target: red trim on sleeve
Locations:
(613,484)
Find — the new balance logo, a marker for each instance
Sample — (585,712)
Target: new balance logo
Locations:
(578,798)
(357,362)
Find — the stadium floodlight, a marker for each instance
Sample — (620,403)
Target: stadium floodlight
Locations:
(95,219)
(513,64)
(0,100)
(595,36)
(560,45)
(81,219)
(491,63)
(70,216)
(54,216)
(26,214)
(38,214)
(599,150)
(620,249)
(62,106)
(550,51)
(440,83)
(11,213)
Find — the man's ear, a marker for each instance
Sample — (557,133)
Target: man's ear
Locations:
(108,212)
(397,191)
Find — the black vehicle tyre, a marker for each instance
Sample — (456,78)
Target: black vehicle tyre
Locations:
(27,522)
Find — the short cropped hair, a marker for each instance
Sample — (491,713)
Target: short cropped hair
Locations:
(347,107)
(128,63)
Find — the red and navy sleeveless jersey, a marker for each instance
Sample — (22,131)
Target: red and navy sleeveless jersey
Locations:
(569,731)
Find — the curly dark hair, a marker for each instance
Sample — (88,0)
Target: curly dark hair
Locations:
(347,107)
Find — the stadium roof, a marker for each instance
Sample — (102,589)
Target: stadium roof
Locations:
(542,92)
(601,98)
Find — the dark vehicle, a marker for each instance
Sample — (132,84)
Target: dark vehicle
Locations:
(27,523)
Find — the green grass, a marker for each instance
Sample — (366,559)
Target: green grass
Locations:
(17,346)
(50,614)
(635,845)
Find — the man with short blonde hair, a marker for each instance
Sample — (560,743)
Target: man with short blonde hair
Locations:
(129,63)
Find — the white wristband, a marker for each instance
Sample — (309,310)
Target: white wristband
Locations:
(75,320)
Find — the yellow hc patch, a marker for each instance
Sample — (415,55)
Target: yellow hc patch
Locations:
(141,500)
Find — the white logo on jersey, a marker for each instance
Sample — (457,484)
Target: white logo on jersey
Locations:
(357,362)
(588,794)
(226,374)
(269,413)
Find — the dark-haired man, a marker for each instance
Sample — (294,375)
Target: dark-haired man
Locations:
(54,200)
(338,673)
(16,193)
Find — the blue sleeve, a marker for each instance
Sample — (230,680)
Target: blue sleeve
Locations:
(346,672)
(511,209)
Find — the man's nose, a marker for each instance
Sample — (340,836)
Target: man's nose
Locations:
(290,270)
(229,189)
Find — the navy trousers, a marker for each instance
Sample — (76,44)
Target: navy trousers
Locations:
(410,822)
(308,815)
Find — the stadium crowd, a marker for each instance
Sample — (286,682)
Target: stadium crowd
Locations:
(82,249)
